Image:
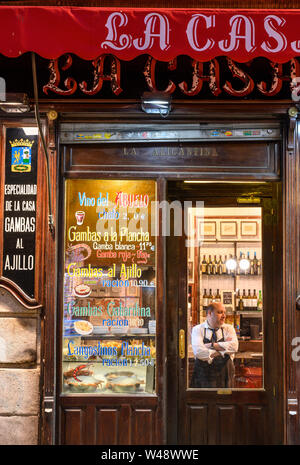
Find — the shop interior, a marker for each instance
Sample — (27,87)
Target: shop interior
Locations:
(225,265)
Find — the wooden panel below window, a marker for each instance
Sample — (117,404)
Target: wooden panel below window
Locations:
(72,422)
(255,425)
(143,431)
(111,424)
(198,424)
(227,424)
(107,426)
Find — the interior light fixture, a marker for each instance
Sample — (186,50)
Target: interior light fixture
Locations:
(231,264)
(244,264)
(156,103)
(15,103)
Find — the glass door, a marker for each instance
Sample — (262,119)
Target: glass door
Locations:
(229,362)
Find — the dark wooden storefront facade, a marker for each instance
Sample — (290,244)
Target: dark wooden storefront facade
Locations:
(272,172)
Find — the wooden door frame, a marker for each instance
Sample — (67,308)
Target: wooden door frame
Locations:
(176,278)
(186,111)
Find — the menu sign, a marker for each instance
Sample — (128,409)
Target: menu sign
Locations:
(19,219)
(109,286)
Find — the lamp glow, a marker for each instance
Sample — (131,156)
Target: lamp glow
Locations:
(231,264)
(244,264)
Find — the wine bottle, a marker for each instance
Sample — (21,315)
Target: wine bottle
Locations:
(254,300)
(210,297)
(255,264)
(245,300)
(220,266)
(250,307)
(258,266)
(251,267)
(205,300)
(218,296)
(209,266)
(204,265)
(214,266)
(259,302)
(241,303)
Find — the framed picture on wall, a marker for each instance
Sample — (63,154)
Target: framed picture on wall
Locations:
(228,229)
(249,228)
(207,229)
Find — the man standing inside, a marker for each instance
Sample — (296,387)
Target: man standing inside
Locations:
(214,344)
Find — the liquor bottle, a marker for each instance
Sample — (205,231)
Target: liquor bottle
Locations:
(209,266)
(258,266)
(224,265)
(255,263)
(210,297)
(217,296)
(204,265)
(205,300)
(245,300)
(250,305)
(251,267)
(254,300)
(241,303)
(220,266)
(214,266)
(259,302)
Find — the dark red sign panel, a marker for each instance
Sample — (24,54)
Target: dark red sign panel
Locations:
(164,34)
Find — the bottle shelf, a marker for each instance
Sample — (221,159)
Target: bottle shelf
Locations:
(253,313)
(232,276)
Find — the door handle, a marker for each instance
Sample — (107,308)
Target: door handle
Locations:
(298,302)
(181,343)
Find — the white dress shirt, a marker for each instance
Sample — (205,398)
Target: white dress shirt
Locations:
(203,351)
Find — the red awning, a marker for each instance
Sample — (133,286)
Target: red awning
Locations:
(162,33)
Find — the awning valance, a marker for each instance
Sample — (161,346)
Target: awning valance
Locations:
(162,33)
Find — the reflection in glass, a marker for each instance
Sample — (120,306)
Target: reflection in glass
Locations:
(225,302)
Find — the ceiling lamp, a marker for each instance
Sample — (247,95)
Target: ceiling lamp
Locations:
(156,103)
(15,103)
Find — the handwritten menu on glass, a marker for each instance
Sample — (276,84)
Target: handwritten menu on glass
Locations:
(109,286)
(20,192)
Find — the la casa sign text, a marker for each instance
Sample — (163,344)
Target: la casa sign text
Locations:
(202,33)
(240,80)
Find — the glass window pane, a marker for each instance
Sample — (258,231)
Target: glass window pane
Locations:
(225,301)
(109,298)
